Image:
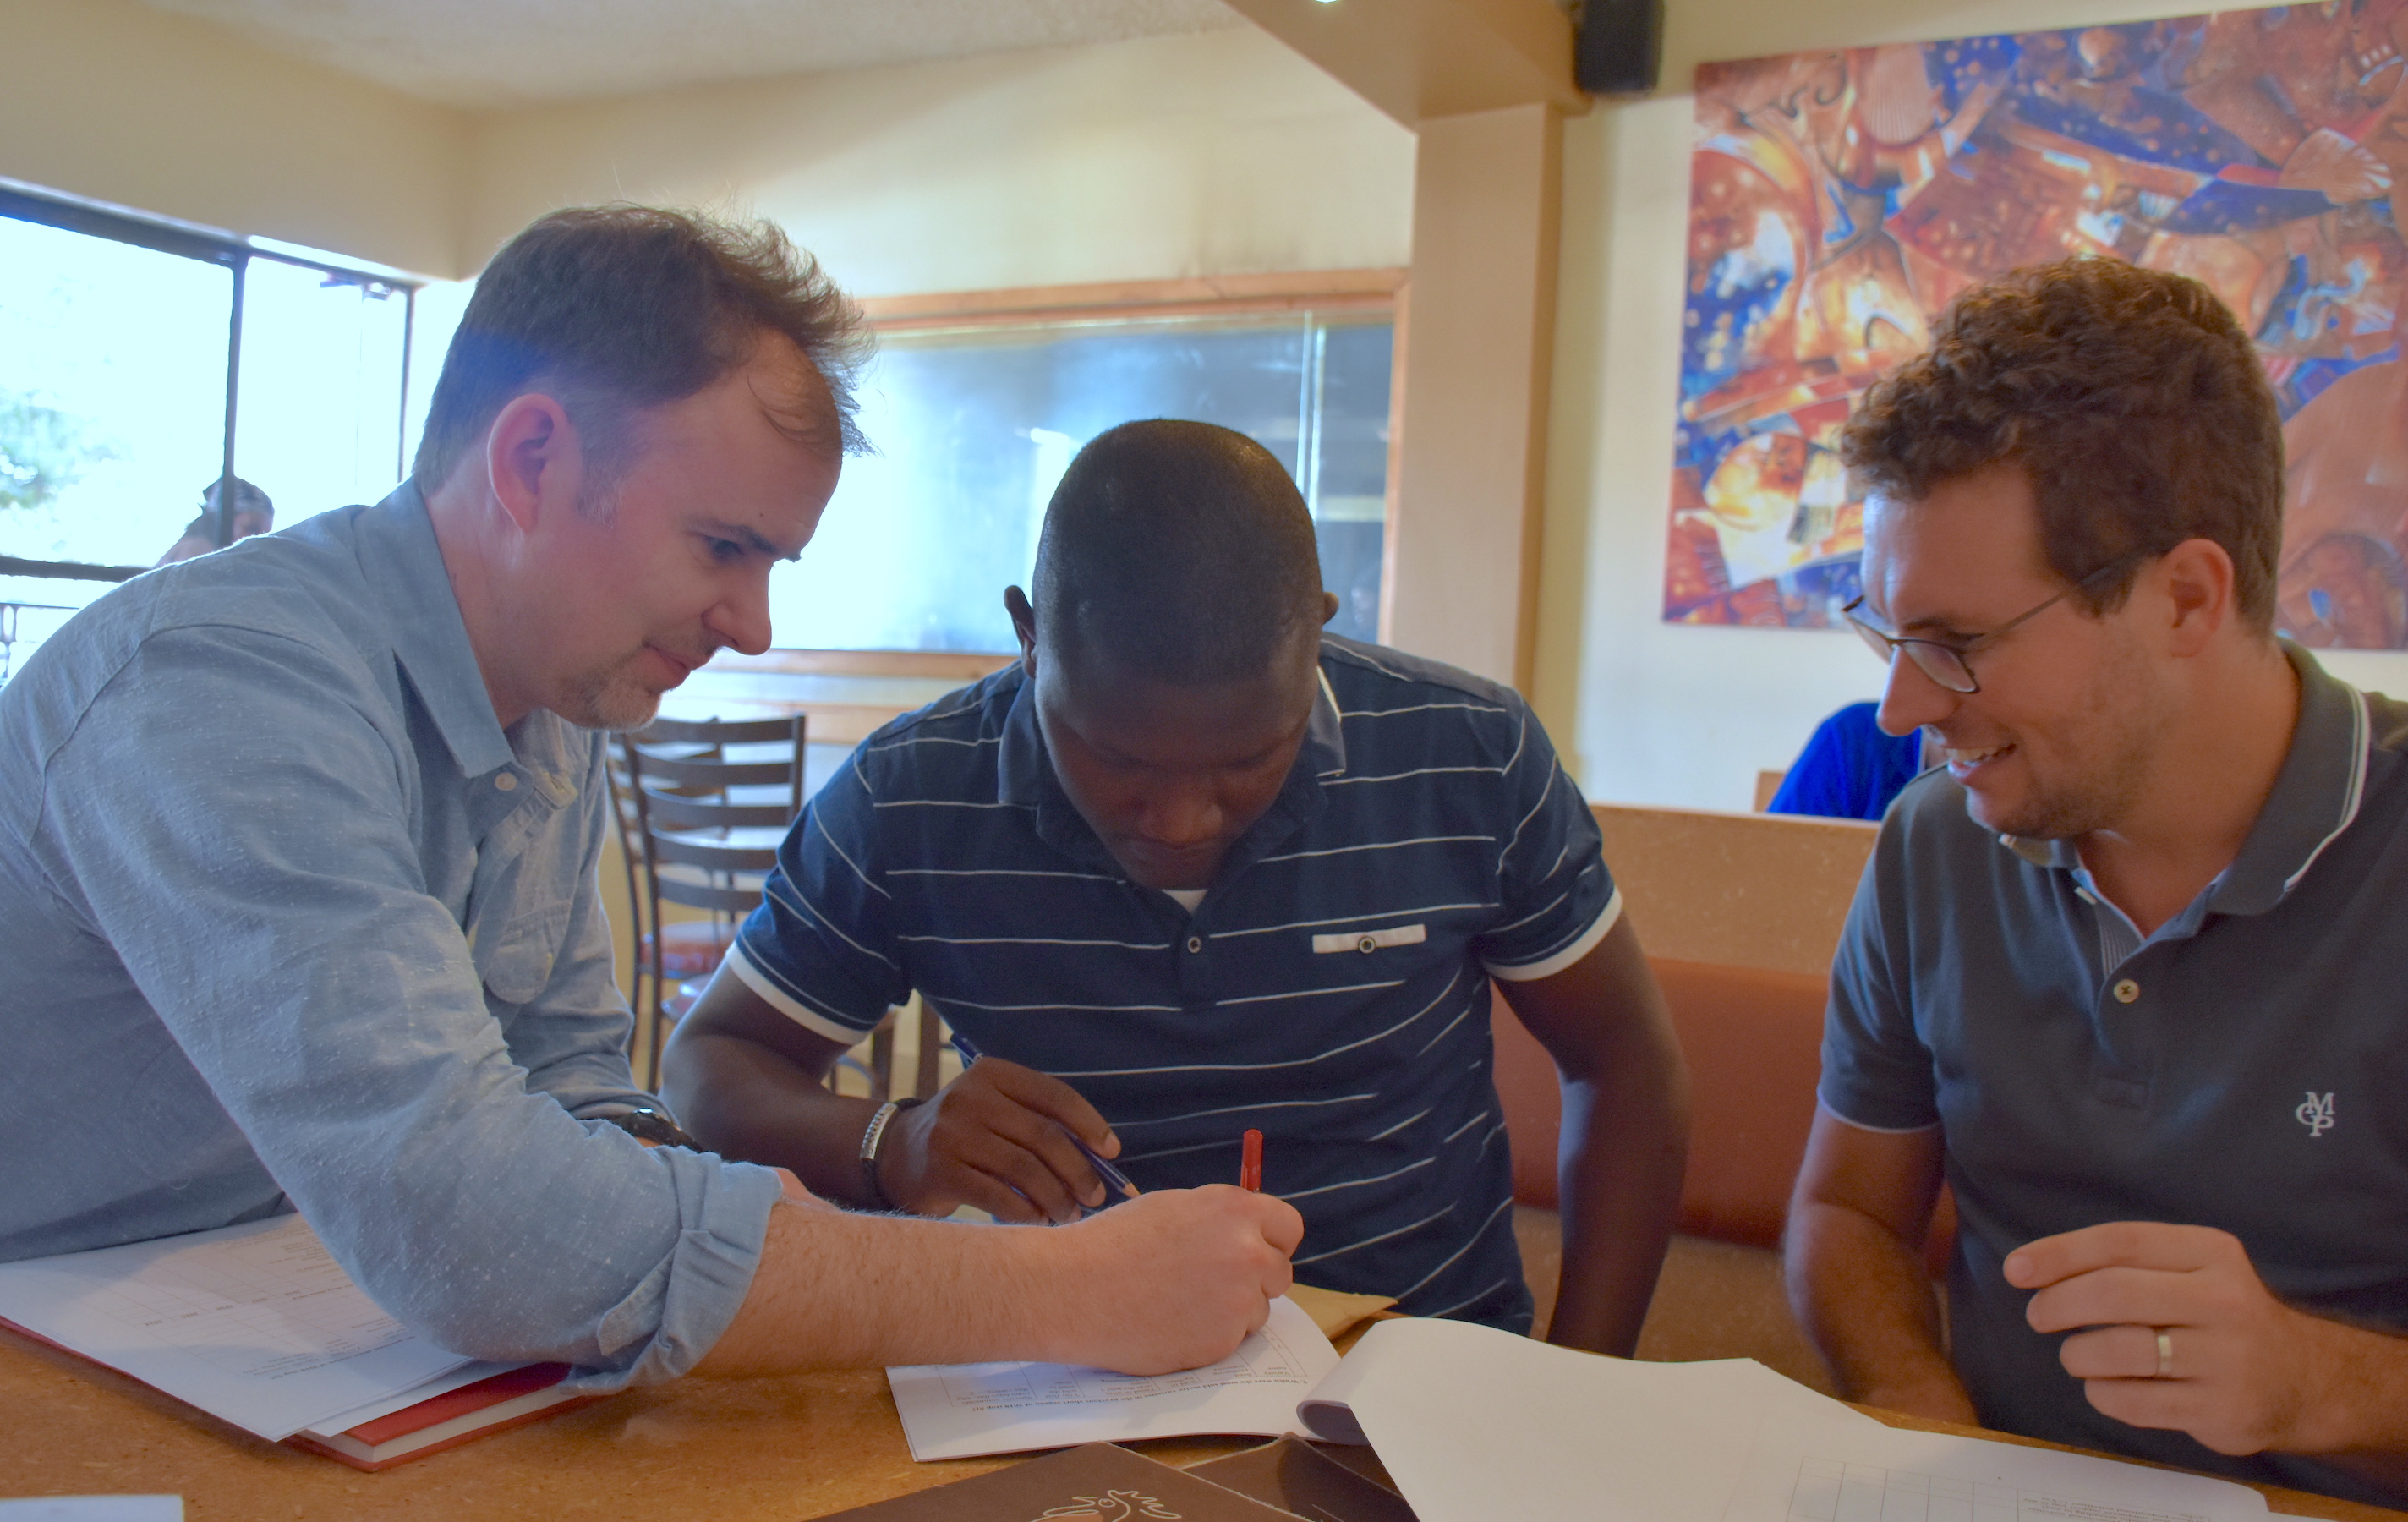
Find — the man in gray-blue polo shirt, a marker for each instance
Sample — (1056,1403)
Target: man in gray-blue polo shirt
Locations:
(1191,869)
(2127,972)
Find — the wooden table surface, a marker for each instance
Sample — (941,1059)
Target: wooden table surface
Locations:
(724,1450)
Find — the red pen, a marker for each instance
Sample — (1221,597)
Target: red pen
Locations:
(1250,1164)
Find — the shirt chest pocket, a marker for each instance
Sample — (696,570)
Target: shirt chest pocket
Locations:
(1365,942)
(515,957)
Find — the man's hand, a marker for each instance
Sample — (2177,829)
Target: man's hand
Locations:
(998,1138)
(2247,1373)
(1171,1280)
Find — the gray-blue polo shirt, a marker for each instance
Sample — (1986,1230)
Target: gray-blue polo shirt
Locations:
(1330,990)
(2240,1069)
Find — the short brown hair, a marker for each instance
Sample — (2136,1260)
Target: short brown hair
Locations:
(617,307)
(2132,396)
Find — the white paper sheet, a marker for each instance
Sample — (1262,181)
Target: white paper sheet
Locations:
(1889,1475)
(1475,1424)
(94,1509)
(254,1324)
(960,1411)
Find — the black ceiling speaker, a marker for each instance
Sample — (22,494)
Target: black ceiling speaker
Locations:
(1620,49)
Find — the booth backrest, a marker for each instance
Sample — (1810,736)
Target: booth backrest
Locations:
(1753,1040)
(1740,915)
(1766,891)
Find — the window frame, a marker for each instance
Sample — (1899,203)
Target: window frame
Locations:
(1357,293)
(21,202)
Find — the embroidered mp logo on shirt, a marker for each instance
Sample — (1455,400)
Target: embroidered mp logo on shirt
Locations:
(2317,1112)
(1367,942)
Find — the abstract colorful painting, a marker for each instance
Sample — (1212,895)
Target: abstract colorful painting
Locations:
(1837,200)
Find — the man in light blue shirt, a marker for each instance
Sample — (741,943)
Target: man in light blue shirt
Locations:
(297,873)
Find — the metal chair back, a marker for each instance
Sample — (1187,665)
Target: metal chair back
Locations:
(702,829)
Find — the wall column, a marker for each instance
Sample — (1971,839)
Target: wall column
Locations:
(1477,349)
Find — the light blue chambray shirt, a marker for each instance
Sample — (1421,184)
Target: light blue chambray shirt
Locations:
(288,921)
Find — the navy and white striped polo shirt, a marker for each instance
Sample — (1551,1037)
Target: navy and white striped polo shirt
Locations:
(1330,990)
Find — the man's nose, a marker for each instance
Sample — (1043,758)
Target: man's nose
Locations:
(742,619)
(1182,814)
(1911,699)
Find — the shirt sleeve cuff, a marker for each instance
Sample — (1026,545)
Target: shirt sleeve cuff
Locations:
(1822,1103)
(1549,967)
(785,1003)
(686,1303)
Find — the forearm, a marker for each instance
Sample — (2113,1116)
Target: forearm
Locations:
(1862,1297)
(1619,1180)
(1171,1281)
(2362,1416)
(744,1101)
(840,1290)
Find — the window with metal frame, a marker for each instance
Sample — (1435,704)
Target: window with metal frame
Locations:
(976,411)
(143,360)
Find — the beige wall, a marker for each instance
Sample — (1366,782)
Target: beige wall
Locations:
(1650,712)
(118,102)
(1219,153)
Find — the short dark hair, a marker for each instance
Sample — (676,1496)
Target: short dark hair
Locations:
(2132,396)
(613,309)
(247,498)
(1178,551)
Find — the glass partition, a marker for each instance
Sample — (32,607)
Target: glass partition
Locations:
(974,428)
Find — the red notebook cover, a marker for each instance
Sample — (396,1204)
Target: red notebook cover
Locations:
(512,1397)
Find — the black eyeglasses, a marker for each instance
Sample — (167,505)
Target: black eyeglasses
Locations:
(1945,663)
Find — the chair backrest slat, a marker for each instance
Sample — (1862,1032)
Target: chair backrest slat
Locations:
(711,776)
(715,731)
(738,901)
(669,812)
(683,851)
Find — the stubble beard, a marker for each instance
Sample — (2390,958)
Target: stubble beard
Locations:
(2113,737)
(610,700)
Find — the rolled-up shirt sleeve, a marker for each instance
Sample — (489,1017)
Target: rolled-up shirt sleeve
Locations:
(246,851)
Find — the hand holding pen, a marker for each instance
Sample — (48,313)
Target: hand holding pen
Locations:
(1009,1140)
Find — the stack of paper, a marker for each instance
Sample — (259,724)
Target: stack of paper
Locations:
(959,1411)
(1477,1424)
(254,1324)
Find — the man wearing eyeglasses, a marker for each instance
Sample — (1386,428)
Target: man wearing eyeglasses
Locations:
(2127,972)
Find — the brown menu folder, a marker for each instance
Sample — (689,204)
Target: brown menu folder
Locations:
(1296,1476)
(1096,1482)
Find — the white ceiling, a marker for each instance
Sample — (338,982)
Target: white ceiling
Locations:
(485,53)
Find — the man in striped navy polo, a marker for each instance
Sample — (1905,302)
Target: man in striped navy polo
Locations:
(1192,866)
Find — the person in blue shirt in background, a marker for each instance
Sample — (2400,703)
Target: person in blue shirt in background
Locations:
(1849,769)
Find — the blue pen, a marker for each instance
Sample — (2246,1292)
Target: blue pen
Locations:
(1113,1178)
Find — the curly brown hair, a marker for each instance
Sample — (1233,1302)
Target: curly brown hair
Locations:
(2132,397)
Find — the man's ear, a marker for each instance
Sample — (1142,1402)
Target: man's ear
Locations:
(533,460)
(1328,606)
(2196,577)
(1023,624)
